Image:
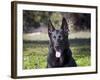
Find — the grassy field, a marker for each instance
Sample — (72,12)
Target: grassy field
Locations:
(35,53)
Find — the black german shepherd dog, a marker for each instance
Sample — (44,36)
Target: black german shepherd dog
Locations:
(59,54)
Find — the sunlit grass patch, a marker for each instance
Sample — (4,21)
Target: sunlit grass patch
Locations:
(83,61)
(35,56)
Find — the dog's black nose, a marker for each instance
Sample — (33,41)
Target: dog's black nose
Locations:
(57,47)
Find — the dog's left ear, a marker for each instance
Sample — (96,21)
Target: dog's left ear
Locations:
(50,26)
(64,25)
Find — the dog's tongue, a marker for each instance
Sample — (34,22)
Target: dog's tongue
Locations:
(58,54)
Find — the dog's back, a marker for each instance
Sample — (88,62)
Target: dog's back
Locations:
(59,54)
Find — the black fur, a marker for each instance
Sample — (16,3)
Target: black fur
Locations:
(59,42)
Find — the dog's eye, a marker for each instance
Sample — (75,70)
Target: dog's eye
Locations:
(59,36)
(54,37)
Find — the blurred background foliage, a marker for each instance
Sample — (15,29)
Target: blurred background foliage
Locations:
(33,20)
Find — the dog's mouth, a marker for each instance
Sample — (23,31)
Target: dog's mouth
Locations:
(58,51)
(58,54)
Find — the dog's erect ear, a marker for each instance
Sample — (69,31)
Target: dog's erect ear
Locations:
(50,26)
(64,25)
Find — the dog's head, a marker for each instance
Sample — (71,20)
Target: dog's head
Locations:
(58,37)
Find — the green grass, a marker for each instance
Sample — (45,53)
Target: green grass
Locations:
(35,53)
(82,55)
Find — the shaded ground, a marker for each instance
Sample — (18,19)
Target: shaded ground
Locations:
(35,53)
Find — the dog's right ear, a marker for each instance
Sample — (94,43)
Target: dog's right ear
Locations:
(64,25)
(50,26)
